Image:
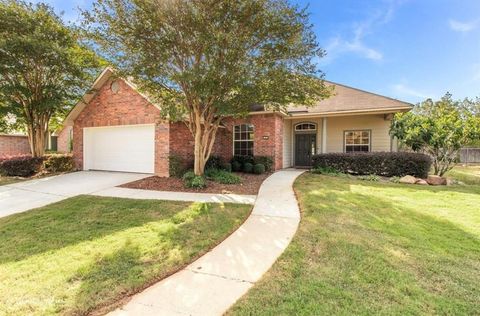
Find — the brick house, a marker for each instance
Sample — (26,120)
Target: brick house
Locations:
(117,128)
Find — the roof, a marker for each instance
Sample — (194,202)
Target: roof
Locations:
(351,100)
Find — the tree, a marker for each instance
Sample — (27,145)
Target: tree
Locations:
(204,60)
(439,129)
(43,68)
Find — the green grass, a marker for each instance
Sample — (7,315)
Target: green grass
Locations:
(466,174)
(86,253)
(366,248)
(8,180)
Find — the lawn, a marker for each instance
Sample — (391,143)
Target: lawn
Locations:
(7,180)
(466,174)
(367,248)
(86,253)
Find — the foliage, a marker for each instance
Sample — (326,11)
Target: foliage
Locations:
(439,129)
(111,248)
(207,60)
(44,68)
(227,167)
(59,163)
(193,181)
(222,176)
(378,163)
(370,177)
(267,161)
(367,248)
(325,170)
(258,168)
(243,159)
(214,162)
(24,166)
(247,167)
(176,166)
(236,166)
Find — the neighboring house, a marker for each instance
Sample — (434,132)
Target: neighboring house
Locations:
(14,145)
(117,128)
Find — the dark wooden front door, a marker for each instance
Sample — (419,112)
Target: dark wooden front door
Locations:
(305,147)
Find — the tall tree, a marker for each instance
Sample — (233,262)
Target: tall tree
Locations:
(439,128)
(204,60)
(43,67)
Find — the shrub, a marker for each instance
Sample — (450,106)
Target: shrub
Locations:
(227,167)
(24,166)
(370,177)
(247,167)
(192,181)
(222,176)
(267,161)
(214,162)
(59,163)
(259,168)
(236,166)
(243,159)
(176,166)
(387,164)
(325,170)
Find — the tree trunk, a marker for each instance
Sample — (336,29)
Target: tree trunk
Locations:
(204,131)
(36,138)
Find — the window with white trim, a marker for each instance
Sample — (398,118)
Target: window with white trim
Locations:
(243,140)
(304,127)
(357,141)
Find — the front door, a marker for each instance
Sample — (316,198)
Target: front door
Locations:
(305,147)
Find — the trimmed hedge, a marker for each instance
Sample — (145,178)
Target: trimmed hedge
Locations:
(258,168)
(24,166)
(247,167)
(214,162)
(389,164)
(240,161)
(59,163)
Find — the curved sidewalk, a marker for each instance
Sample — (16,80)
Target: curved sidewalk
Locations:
(214,282)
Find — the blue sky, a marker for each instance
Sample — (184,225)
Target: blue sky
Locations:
(406,49)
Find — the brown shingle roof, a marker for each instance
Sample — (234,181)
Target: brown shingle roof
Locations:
(348,99)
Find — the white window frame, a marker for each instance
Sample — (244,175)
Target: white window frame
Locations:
(297,129)
(243,140)
(351,145)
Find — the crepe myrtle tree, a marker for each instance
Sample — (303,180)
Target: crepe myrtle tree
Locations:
(439,128)
(204,60)
(43,69)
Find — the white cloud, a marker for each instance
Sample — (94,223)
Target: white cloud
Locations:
(356,43)
(463,27)
(406,91)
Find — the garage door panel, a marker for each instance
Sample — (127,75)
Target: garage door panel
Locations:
(121,148)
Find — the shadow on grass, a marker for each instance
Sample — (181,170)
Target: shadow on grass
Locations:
(114,274)
(75,220)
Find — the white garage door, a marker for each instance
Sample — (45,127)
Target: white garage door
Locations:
(128,148)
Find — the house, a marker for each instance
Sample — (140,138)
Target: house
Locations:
(117,128)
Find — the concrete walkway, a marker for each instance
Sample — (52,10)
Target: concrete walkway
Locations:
(213,283)
(176,196)
(26,195)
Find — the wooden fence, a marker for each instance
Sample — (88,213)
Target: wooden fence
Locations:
(470,155)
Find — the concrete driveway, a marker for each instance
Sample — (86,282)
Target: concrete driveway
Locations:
(23,196)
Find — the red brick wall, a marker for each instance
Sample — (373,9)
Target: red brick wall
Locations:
(269,126)
(14,145)
(126,107)
(182,143)
(63,140)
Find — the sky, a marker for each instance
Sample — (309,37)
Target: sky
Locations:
(406,49)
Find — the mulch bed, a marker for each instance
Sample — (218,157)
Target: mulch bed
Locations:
(250,185)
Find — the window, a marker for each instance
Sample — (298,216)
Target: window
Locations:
(243,140)
(303,127)
(357,141)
